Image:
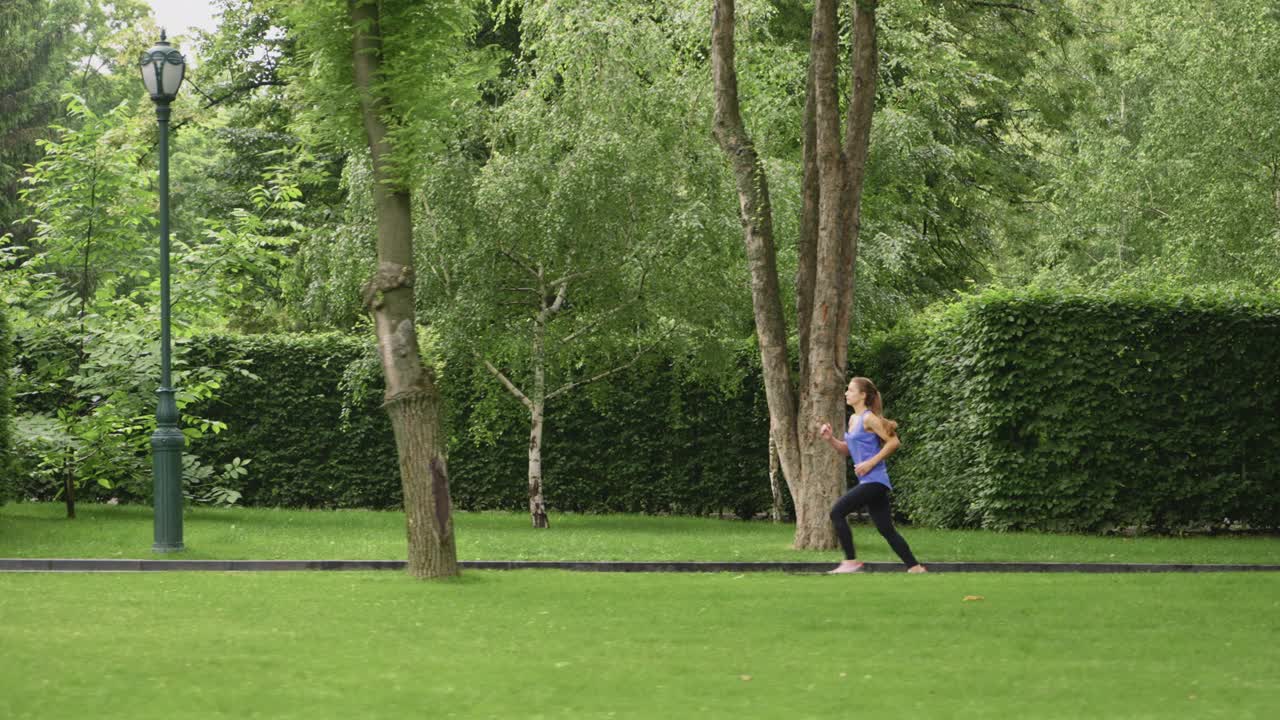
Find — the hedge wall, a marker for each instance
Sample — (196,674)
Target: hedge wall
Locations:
(649,442)
(6,408)
(1085,412)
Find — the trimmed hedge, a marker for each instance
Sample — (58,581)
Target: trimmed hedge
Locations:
(1088,412)
(6,408)
(288,422)
(649,442)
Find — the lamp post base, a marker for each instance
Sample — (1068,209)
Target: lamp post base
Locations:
(166,453)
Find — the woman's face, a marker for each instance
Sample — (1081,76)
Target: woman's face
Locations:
(854,394)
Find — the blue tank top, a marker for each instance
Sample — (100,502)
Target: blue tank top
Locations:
(863,445)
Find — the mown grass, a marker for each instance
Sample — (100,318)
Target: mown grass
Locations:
(550,644)
(41,530)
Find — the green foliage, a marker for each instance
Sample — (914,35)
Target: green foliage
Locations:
(428,71)
(648,440)
(235,275)
(1169,167)
(84,303)
(309,417)
(950,172)
(86,414)
(1082,411)
(599,185)
(52,48)
(287,416)
(332,264)
(91,205)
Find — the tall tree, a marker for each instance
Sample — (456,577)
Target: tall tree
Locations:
(412,399)
(392,70)
(834,167)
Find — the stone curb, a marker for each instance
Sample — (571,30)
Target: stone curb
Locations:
(127,565)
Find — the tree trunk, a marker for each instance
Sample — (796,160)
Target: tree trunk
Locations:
(537,506)
(775,513)
(827,253)
(412,399)
(807,243)
(857,142)
(424,476)
(68,489)
(1275,189)
(756,216)
(820,397)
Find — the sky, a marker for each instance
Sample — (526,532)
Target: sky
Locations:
(179,16)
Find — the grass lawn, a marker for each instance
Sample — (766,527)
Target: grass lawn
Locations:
(41,530)
(550,644)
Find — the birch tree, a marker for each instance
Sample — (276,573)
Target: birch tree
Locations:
(595,230)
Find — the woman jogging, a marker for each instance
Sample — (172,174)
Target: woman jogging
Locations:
(871,439)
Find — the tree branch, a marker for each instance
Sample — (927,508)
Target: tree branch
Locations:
(233,92)
(1003,6)
(573,276)
(558,304)
(215,101)
(508,385)
(595,323)
(522,263)
(569,386)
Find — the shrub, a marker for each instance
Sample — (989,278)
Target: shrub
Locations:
(309,419)
(1088,412)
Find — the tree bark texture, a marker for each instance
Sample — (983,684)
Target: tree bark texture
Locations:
(775,489)
(412,399)
(827,250)
(756,216)
(537,505)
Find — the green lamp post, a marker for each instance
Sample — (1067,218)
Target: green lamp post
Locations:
(162,70)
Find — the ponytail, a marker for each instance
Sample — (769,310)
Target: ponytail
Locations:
(876,404)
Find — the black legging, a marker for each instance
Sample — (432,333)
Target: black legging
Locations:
(876,497)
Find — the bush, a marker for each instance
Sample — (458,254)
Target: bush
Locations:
(310,421)
(284,411)
(1088,412)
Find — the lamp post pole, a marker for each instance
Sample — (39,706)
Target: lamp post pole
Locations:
(162,71)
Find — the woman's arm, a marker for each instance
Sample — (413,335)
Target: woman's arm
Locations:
(889,440)
(839,446)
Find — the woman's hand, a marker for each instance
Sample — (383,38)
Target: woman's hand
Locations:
(863,467)
(825,431)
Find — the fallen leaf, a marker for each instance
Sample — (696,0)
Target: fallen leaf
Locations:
(746,677)
(967,598)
